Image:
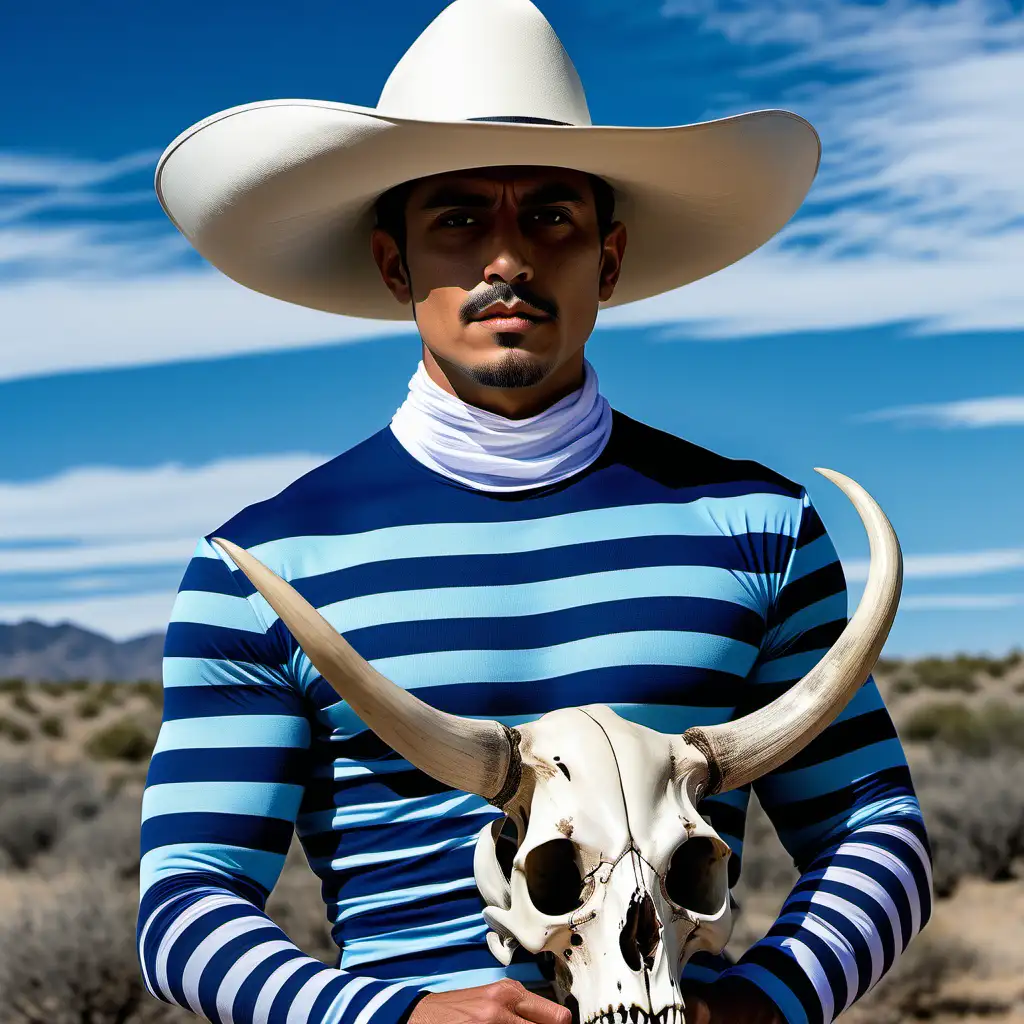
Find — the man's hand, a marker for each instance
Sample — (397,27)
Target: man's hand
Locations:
(726,1002)
(502,1002)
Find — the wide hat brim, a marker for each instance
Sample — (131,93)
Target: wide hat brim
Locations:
(279,195)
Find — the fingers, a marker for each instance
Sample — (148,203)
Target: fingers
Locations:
(533,1007)
(696,1010)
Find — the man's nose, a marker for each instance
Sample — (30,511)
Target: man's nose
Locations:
(510,259)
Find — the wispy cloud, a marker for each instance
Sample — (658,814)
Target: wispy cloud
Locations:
(1002,411)
(53,326)
(918,212)
(961,602)
(961,563)
(917,216)
(101,518)
(31,171)
(41,197)
(104,547)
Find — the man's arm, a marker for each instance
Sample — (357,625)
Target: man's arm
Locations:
(844,808)
(222,794)
(223,790)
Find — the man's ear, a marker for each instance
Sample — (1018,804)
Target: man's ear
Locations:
(612,250)
(393,270)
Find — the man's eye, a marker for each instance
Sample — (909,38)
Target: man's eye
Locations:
(457,220)
(555,217)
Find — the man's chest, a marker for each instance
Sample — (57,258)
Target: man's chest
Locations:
(668,645)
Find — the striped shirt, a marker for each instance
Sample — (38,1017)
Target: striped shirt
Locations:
(677,586)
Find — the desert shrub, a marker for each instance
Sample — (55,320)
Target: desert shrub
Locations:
(111,692)
(998,667)
(12,685)
(887,664)
(89,706)
(123,740)
(767,867)
(950,673)
(297,906)
(29,827)
(152,690)
(974,813)
(904,684)
(36,809)
(67,955)
(52,726)
(13,731)
(18,778)
(25,704)
(975,731)
(911,990)
(1002,725)
(952,723)
(109,841)
(100,696)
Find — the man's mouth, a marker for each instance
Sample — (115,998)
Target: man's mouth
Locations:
(515,316)
(512,321)
(516,324)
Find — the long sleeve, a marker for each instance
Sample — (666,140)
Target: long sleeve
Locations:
(224,787)
(844,808)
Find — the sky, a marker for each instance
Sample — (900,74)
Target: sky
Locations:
(145,398)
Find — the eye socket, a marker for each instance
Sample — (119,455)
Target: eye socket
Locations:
(506,843)
(691,881)
(553,878)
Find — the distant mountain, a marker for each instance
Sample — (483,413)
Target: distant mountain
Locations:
(32,650)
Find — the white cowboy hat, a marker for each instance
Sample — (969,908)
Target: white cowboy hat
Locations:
(279,195)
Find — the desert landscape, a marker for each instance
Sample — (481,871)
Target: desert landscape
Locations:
(73,756)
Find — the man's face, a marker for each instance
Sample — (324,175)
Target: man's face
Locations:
(505,269)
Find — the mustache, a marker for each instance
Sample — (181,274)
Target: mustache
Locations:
(502,291)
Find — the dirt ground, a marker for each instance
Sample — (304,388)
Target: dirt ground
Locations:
(967,966)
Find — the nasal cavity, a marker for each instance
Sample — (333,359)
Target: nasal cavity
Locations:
(640,935)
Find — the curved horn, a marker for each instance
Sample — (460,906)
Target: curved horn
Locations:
(476,756)
(739,752)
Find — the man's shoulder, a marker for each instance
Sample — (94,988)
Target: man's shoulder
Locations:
(333,497)
(680,463)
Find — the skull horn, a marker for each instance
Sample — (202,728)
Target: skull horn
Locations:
(477,756)
(739,752)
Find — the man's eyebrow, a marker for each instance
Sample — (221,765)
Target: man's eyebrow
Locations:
(455,195)
(445,196)
(552,192)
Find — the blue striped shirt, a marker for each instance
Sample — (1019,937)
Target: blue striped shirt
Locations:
(675,585)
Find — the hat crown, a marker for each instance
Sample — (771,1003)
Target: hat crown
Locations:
(483,59)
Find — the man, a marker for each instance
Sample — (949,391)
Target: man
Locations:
(506,546)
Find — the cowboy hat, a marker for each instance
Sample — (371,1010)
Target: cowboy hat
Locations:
(279,194)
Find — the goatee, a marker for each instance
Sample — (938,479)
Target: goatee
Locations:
(514,370)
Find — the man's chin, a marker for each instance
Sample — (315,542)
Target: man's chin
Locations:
(512,368)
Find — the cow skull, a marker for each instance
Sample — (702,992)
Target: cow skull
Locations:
(602,859)
(605,863)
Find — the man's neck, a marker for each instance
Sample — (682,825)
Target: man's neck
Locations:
(512,403)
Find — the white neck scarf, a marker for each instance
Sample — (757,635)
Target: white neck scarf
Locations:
(492,453)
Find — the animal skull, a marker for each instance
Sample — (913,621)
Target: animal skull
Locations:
(602,860)
(616,874)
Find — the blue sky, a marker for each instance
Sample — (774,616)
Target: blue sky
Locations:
(144,398)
